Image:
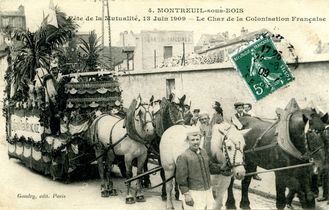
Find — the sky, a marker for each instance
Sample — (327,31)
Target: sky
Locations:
(301,34)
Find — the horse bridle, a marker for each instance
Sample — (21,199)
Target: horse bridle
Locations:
(147,111)
(237,148)
(308,154)
(176,122)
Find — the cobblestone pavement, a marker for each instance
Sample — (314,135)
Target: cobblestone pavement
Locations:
(17,180)
(266,187)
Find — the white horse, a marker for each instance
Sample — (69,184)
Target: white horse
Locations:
(226,147)
(110,131)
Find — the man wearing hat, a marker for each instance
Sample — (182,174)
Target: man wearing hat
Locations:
(192,174)
(239,110)
(195,117)
(248,109)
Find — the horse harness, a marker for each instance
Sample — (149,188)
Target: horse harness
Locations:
(110,145)
(306,156)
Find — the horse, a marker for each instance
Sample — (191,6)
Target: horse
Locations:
(226,146)
(305,126)
(109,139)
(167,113)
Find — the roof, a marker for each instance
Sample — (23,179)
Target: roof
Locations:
(243,38)
(11,13)
(165,31)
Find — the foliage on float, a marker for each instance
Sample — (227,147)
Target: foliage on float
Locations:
(36,51)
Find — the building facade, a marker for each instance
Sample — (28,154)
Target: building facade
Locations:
(220,82)
(13,19)
(152,49)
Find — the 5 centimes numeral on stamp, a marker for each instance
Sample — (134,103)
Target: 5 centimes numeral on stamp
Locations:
(262,67)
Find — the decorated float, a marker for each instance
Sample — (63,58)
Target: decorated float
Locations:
(45,126)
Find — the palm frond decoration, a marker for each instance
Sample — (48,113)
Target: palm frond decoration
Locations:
(37,48)
(91,52)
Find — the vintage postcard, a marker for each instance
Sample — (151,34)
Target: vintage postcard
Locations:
(106,104)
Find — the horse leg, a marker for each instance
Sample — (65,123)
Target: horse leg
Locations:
(163,188)
(245,203)
(140,164)
(280,190)
(169,172)
(122,166)
(99,151)
(129,174)
(108,168)
(308,194)
(219,184)
(146,179)
(176,191)
(245,183)
(230,202)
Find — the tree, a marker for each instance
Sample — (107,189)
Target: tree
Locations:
(91,52)
(37,48)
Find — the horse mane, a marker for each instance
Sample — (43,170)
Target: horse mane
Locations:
(159,119)
(215,143)
(130,123)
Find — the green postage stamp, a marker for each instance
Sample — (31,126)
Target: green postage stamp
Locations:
(262,67)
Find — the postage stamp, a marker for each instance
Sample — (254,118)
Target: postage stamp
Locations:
(262,67)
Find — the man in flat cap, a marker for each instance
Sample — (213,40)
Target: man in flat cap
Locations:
(239,109)
(193,175)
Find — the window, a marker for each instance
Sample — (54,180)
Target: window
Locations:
(5,21)
(167,52)
(170,86)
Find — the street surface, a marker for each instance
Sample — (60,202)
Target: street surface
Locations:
(17,181)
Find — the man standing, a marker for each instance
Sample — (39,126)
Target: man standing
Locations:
(193,176)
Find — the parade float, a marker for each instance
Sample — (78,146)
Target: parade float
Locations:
(45,128)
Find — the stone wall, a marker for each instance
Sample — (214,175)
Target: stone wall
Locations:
(207,83)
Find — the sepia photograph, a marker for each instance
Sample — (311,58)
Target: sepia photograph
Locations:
(164,104)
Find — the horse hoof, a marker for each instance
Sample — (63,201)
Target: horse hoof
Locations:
(112,192)
(140,198)
(177,197)
(130,200)
(163,197)
(105,194)
(147,185)
(232,207)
